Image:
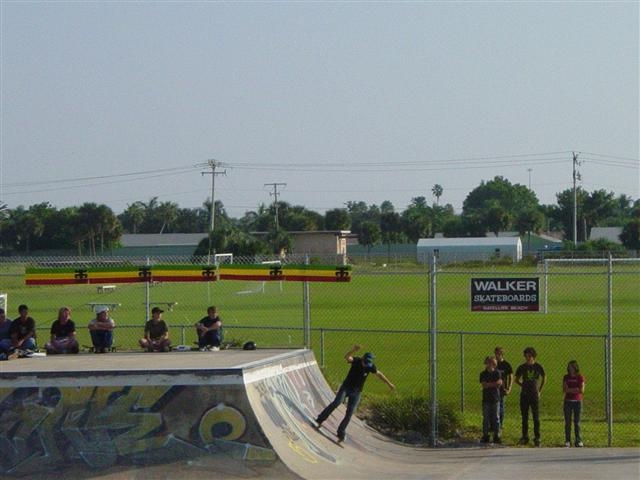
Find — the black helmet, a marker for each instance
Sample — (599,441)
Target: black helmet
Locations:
(250,345)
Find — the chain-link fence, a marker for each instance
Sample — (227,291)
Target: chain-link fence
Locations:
(420,324)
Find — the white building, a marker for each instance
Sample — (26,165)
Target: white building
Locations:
(469,248)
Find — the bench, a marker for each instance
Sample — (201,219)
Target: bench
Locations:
(106,288)
(112,306)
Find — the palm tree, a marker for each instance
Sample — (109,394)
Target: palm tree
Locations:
(168,212)
(4,211)
(88,224)
(108,226)
(437,192)
(133,216)
(27,226)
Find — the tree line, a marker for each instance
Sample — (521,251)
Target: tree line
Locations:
(494,206)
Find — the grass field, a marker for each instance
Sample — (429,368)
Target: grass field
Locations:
(388,313)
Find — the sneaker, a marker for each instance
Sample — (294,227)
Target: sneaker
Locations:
(203,349)
(567,444)
(523,441)
(215,349)
(579,444)
(340,438)
(536,442)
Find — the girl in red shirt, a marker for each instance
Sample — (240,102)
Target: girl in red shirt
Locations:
(573,388)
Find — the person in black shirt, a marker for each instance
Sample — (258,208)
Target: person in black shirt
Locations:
(23,330)
(63,334)
(210,330)
(531,377)
(506,371)
(491,382)
(351,388)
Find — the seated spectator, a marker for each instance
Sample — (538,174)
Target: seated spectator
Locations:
(63,334)
(156,333)
(101,330)
(23,331)
(5,336)
(210,330)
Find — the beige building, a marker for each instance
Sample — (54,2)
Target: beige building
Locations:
(321,242)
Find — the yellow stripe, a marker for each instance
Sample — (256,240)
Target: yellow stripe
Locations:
(309,273)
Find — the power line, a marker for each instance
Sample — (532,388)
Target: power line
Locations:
(146,174)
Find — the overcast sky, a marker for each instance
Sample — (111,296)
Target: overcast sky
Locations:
(115,102)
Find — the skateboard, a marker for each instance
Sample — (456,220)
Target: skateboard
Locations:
(320,429)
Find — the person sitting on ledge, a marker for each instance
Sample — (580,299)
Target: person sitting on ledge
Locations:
(101,330)
(63,334)
(156,333)
(210,330)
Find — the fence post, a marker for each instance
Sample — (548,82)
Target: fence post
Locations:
(608,352)
(546,286)
(432,352)
(461,371)
(306,304)
(322,348)
(147,295)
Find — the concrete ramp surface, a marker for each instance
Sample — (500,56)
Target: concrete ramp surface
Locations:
(286,398)
(230,414)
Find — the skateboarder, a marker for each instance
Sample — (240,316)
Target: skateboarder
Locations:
(351,388)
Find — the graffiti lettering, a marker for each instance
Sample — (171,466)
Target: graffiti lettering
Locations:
(45,428)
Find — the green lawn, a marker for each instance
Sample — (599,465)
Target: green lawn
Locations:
(388,313)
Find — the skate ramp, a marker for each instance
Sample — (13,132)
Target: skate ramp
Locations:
(285,399)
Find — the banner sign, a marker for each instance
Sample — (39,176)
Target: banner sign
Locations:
(287,273)
(185,273)
(84,274)
(505,295)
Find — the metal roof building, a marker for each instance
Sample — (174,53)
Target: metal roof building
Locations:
(450,250)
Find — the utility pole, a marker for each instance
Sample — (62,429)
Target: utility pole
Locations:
(212,164)
(529,170)
(275,197)
(576,176)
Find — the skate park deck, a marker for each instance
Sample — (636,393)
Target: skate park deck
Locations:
(228,414)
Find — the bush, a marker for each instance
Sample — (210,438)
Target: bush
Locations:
(408,418)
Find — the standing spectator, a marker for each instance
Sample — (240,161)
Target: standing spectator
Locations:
(23,330)
(101,330)
(63,334)
(573,388)
(506,371)
(210,330)
(491,382)
(156,333)
(530,376)
(5,336)
(351,388)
